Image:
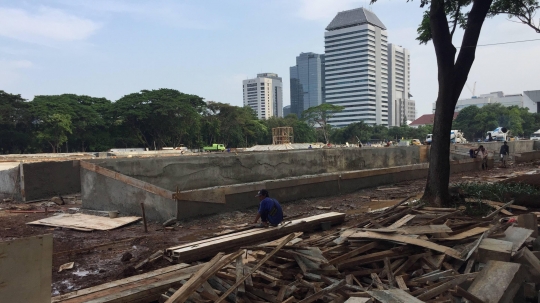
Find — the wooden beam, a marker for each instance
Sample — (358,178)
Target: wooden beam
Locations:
(207,248)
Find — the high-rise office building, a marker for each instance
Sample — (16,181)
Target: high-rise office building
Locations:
(286,110)
(356,72)
(307,81)
(264,95)
(400,106)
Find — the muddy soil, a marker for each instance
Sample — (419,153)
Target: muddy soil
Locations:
(97,265)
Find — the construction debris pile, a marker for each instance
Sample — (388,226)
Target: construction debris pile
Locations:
(398,254)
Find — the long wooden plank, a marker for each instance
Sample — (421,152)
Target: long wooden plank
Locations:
(204,249)
(404,239)
(137,287)
(117,283)
(466,234)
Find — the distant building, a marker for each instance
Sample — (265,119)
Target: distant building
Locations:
(400,106)
(529,99)
(264,94)
(307,81)
(286,110)
(427,119)
(356,72)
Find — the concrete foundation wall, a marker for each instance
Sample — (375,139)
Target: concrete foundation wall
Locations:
(103,193)
(291,189)
(192,172)
(516,147)
(47,179)
(99,192)
(10,181)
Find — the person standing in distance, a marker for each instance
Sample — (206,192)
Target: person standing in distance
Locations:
(270,211)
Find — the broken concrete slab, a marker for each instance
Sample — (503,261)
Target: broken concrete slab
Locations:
(498,282)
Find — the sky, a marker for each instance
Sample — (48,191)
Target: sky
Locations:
(111,48)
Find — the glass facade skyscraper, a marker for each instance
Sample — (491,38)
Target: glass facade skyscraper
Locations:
(307,81)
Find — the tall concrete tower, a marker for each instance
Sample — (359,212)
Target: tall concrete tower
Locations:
(401,106)
(356,68)
(264,94)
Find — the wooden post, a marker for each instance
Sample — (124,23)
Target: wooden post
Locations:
(144,218)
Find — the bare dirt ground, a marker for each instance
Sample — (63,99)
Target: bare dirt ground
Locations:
(97,265)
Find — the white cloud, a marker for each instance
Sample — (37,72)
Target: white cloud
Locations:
(44,25)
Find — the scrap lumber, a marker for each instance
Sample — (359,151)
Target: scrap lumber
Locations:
(493,214)
(404,239)
(529,221)
(323,292)
(494,249)
(445,286)
(238,282)
(517,236)
(209,247)
(393,296)
(84,222)
(201,276)
(148,286)
(466,234)
(498,282)
(460,292)
(525,256)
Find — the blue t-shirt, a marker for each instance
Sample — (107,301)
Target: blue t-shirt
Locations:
(271,211)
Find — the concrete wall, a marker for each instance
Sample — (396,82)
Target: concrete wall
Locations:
(241,196)
(47,179)
(226,168)
(9,180)
(99,192)
(516,147)
(102,193)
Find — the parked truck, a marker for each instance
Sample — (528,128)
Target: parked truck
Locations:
(499,134)
(214,148)
(536,135)
(456,136)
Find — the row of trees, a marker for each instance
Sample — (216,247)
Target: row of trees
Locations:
(159,118)
(475,121)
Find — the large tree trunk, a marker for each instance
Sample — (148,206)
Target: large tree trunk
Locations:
(452,76)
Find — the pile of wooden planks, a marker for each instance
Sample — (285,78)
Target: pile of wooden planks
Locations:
(399,254)
(404,254)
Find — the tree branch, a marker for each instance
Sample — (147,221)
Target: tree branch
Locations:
(456,20)
(467,52)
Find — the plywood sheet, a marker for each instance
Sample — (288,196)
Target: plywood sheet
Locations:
(85,222)
(26,270)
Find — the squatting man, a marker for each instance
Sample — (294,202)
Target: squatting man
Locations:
(270,211)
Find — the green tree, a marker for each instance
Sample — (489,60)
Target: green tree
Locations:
(15,132)
(53,129)
(439,25)
(319,115)
(163,117)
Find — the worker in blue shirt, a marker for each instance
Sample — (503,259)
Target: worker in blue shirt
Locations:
(270,211)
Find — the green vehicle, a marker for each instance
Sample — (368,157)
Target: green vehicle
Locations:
(214,147)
